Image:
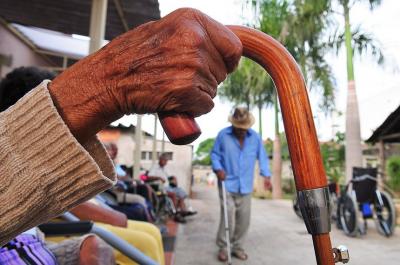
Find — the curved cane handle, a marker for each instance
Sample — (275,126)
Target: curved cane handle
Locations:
(297,117)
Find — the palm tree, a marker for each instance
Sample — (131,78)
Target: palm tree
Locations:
(274,20)
(361,42)
(299,26)
(248,85)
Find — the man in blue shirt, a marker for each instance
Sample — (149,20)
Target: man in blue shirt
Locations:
(233,159)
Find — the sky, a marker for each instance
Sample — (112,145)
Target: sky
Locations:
(378,88)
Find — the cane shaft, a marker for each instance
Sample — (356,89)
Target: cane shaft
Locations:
(297,117)
(226,223)
(323,249)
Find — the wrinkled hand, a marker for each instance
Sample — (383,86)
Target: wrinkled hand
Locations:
(267,183)
(173,64)
(220,175)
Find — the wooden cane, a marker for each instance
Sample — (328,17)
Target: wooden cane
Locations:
(297,118)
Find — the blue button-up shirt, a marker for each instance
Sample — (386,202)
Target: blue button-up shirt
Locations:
(239,163)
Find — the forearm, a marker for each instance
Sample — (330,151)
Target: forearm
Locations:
(216,162)
(93,212)
(263,161)
(153,178)
(44,171)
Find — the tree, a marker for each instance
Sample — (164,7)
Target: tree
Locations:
(393,170)
(203,152)
(333,157)
(299,25)
(249,85)
(363,43)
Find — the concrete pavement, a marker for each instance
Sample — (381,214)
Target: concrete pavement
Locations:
(276,236)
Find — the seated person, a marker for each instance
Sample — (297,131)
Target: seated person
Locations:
(134,205)
(144,236)
(180,195)
(30,247)
(158,176)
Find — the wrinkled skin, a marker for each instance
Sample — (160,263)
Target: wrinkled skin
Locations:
(173,64)
(94,251)
(220,174)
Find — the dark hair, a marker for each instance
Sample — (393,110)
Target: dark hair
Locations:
(163,156)
(19,82)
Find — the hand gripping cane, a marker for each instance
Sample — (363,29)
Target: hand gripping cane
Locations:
(310,178)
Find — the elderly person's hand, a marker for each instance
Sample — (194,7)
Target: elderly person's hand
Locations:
(173,64)
(220,174)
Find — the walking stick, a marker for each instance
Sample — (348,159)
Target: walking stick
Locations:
(226,223)
(310,178)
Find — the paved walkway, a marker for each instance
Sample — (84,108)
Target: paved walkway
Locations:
(276,237)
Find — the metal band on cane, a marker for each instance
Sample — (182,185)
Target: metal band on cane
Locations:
(316,210)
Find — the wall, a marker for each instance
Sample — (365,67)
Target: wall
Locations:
(22,54)
(180,165)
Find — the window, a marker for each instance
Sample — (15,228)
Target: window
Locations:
(169,155)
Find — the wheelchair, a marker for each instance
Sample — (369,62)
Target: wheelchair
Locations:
(165,207)
(361,200)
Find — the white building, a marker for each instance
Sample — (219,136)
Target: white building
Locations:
(179,165)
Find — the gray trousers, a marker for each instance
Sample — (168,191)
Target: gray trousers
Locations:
(239,209)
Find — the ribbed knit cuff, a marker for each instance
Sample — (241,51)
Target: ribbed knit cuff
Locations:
(44,171)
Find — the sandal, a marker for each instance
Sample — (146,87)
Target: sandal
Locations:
(222,255)
(240,254)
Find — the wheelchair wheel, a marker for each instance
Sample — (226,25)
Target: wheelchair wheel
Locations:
(333,199)
(166,209)
(296,206)
(349,215)
(385,213)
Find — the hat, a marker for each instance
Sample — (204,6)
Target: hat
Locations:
(241,118)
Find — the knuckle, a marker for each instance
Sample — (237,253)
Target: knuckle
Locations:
(190,12)
(198,39)
(235,53)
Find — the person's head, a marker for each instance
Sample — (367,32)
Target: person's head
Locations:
(241,120)
(173,182)
(19,82)
(112,150)
(163,160)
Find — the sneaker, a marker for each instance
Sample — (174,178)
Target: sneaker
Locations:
(188,213)
(179,219)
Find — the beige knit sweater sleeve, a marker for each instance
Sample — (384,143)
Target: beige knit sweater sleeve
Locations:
(44,171)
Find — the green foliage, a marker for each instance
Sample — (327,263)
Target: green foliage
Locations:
(300,25)
(269,146)
(203,152)
(393,170)
(333,155)
(248,85)
(363,42)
